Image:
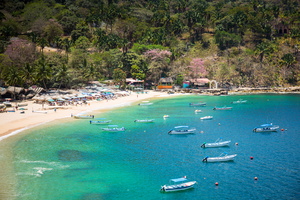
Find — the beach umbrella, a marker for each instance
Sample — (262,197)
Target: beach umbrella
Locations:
(51,100)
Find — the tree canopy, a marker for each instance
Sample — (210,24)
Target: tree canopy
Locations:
(237,42)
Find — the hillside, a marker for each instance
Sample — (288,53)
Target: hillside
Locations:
(241,43)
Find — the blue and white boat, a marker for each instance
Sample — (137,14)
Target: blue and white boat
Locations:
(113,128)
(198,104)
(144,120)
(266,128)
(240,101)
(218,143)
(224,157)
(100,121)
(182,130)
(178,184)
(222,108)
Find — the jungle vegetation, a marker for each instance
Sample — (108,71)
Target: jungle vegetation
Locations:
(67,43)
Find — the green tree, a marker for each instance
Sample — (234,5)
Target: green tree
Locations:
(82,43)
(51,31)
(119,77)
(137,73)
(44,71)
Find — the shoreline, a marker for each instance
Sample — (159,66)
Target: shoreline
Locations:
(12,123)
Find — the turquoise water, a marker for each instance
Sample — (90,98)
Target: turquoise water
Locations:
(73,160)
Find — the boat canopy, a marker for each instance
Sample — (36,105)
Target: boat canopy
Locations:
(178,179)
(181,127)
(112,125)
(265,125)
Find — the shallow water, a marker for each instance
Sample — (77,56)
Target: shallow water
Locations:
(76,160)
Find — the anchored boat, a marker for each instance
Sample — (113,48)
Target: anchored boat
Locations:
(206,117)
(84,116)
(178,184)
(222,108)
(217,143)
(182,130)
(266,128)
(100,121)
(222,158)
(198,104)
(113,128)
(144,120)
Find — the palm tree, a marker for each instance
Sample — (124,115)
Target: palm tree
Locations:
(44,71)
(62,75)
(28,74)
(13,78)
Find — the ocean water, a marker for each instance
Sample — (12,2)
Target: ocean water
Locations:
(74,160)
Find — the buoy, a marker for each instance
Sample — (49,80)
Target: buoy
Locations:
(216,183)
(236,143)
(282,129)
(255,178)
(219,124)
(251,157)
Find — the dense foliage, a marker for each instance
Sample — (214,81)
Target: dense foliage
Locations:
(67,43)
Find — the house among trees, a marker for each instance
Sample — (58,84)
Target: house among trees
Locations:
(165,83)
(135,84)
(282,29)
(196,82)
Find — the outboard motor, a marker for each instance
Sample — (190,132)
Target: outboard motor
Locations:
(205,159)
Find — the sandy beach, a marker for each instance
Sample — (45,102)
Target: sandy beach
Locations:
(10,122)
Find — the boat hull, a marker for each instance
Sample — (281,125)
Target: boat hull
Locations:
(84,117)
(114,129)
(100,122)
(206,118)
(178,132)
(223,108)
(259,130)
(220,159)
(271,128)
(197,104)
(178,187)
(144,120)
(215,144)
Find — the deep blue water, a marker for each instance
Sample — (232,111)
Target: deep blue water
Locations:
(73,160)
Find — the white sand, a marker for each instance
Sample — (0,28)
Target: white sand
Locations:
(13,122)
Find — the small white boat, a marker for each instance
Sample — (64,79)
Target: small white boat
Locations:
(7,103)
(144,120)
(198,111)
(178,184)
(166,116)
(222,158)
(22,104)
(84,116)
(113,128)
(145,103)
(198,104)
(239,101)
(266,128)
(206,117)
(182,130)
(100,121)
(222,108)
(217,143)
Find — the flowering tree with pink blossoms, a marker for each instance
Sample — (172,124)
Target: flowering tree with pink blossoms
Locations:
(158,62)
(197,68)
